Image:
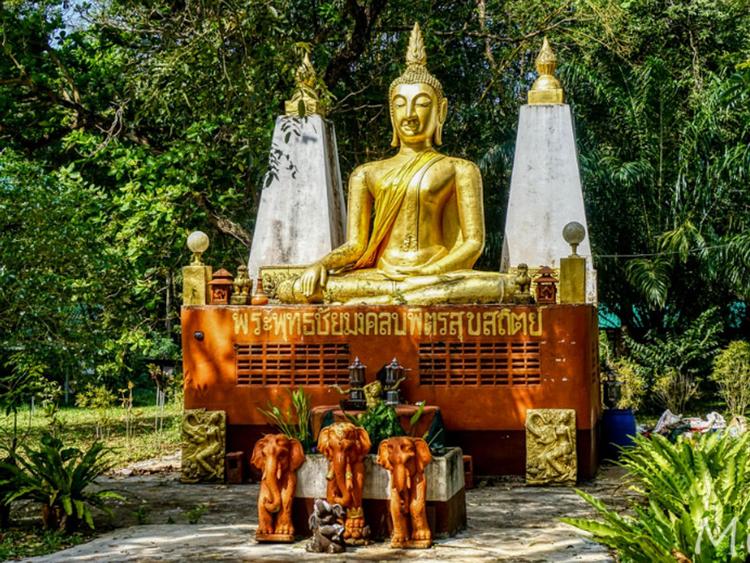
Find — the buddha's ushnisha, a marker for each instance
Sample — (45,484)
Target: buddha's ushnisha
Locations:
(415,222)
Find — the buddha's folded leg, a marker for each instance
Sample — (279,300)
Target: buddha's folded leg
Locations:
(339,289)
(465,286)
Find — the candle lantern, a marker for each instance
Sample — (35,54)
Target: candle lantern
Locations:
(356,400)
(612,389)
(394,375)
(221,287)
(546,286)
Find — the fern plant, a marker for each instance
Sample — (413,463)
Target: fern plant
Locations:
(693,502)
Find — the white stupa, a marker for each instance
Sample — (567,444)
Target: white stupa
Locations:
(302,211)
(545,188)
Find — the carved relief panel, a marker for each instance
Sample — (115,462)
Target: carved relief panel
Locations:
(551,447)
(203,445)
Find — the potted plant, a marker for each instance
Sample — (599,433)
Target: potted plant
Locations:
(623,389)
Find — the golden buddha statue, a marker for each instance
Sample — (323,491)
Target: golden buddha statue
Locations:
(427,229)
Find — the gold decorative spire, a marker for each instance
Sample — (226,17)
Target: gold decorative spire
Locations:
(305,100)
(415,53)
(547,88)
(416,65)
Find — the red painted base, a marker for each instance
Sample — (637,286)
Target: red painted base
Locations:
(483,365)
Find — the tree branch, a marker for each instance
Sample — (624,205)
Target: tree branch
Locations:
(224,224)
(364,23)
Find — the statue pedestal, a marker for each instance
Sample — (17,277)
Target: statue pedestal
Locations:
(545,193)
(483,365)
(446,495)
(302,211)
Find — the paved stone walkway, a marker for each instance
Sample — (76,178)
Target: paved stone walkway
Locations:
(506,522)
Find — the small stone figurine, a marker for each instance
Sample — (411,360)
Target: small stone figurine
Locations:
(241,287)
(523,284)
(327,528)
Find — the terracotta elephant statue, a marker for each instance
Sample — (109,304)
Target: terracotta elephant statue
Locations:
(279,457)
(405,458)
(346,445)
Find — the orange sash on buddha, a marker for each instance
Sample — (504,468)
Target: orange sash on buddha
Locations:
(389,200)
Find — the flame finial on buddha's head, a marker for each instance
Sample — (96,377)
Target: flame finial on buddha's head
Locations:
(416,65)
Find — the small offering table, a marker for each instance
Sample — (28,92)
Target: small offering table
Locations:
(429,425)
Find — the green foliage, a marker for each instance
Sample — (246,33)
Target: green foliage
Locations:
(142,515)
(16,388)
(690,493)
(732,374)
(24,543)
(78,426)
(381,423)
(686,348)
(631,376)
(633,388)
(59,478)
(195,514)
(295,421)
(139,121)
(675,389)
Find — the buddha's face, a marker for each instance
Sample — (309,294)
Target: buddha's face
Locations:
(416,113)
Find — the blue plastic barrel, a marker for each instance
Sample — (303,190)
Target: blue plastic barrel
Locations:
(618,429)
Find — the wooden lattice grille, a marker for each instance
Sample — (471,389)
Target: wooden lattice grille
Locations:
(479,363)
(292,364)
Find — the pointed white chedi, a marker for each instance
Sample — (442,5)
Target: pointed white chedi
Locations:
(301,214)
(545,187)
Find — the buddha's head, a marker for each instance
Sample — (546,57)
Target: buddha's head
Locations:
(417,105)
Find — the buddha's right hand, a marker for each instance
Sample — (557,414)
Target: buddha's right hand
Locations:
(313,278)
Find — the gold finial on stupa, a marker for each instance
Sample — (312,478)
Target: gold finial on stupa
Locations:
(547,88)
(416,65)
(305,100)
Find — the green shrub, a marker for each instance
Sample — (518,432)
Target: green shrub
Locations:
(633,382)
(59,477)
(675,390)
(678,360)
(693,501)
(381,423)
(732,374)
(294,424)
